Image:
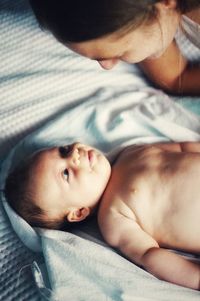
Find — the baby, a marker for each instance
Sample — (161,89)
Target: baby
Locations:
(148,203)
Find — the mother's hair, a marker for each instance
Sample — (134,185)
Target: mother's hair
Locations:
(83,20)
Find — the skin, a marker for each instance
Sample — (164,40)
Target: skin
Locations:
(71,185)
(153,194)
(158,52)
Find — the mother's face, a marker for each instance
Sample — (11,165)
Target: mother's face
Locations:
(146,42)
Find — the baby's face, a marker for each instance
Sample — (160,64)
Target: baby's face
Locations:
(65,178)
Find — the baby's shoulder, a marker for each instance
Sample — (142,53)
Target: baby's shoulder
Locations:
(140,150)
(112,220)
(134,159)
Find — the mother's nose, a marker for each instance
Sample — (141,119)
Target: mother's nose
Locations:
(108,64)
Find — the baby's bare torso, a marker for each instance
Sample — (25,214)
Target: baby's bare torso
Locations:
(160,190)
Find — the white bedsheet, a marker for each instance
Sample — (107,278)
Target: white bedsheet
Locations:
(88,270)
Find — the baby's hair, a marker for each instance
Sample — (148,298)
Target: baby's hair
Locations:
(21,197)
(79,21)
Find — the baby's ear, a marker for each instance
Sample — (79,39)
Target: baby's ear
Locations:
(77,214)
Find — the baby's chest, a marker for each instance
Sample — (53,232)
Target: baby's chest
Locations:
(161,203)
(137,194)
(147,195)
(139,184)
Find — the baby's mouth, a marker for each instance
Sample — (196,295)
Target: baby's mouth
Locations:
(91,157)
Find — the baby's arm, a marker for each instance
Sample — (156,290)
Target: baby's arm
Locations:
(142,249)
(172,72)
(171,267)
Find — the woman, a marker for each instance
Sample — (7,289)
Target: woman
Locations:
(143,32)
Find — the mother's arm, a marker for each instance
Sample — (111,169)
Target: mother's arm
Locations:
(173,73)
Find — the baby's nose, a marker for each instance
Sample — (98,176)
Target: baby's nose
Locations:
(75,156)
(71,153)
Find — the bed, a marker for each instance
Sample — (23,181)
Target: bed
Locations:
(50,95)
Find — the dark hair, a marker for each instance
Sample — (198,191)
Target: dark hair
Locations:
(82,20)
(21,198)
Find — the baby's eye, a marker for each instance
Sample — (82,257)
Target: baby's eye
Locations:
(66,174)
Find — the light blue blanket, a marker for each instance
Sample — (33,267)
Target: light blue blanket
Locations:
(77,265)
